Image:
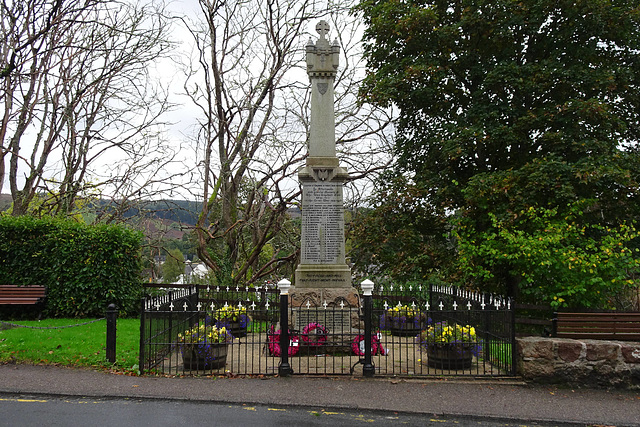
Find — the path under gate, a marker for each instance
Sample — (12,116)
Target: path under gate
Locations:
(319,350)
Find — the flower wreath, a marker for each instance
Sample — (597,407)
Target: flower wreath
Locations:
(273,340)
(358,345)
(320,334)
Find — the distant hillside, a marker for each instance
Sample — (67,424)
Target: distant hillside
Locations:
(162,229)
(170,219)
(181,211)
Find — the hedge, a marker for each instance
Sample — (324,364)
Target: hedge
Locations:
(84,268)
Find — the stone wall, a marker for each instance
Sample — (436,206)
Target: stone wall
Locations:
(580,363)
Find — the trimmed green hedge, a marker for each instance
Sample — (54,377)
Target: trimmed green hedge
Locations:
(84,268)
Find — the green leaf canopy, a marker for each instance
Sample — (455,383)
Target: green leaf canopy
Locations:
(506,105)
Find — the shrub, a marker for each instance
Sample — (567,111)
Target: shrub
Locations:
(84,268)
(557,258)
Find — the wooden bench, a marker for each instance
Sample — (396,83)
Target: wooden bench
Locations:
(21,295)
(603,326)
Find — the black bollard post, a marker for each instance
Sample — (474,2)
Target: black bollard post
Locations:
(141,353)
(284,370)
(368,369)
(112,315)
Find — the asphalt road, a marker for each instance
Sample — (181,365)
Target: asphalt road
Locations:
(506,402)
(81,412)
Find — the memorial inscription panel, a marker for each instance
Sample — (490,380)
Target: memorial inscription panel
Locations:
(335,321)
(323,223)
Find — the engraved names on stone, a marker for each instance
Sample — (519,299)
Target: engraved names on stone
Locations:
(315,279)
(335,321)
(323,223)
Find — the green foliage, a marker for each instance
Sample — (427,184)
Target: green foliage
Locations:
(251,238)
(401,236)
(223,274)
(552,182)
(173,266)
(489,85)
(498,353)
(53,203)
(507,106)
(186,245)
(84,268)
(560,259)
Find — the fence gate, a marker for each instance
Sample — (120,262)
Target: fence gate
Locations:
(415,332)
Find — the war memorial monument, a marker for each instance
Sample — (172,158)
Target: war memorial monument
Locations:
(322,278)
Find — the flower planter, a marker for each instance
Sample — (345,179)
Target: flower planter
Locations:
(237,329)
(403,320)
(404,327)
(450,356)
(204,356)
(234,319)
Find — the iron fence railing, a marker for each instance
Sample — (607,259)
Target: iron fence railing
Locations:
(328,337)
(162,325)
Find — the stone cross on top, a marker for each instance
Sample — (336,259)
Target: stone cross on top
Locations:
(323,29)
(322,66)
(322,57)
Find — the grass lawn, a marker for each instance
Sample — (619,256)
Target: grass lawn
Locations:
(499,352)
(72,346)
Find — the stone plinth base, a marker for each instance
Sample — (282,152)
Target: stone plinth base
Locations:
(316,297)
(314,276)
(336,309)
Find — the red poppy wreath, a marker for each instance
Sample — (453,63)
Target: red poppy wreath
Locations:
(358,345)
(314,334)
(273,340)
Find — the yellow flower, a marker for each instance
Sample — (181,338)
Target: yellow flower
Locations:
(205,334)
(445,333)
(402,310)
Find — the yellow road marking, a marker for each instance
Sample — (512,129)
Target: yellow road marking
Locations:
(24,400)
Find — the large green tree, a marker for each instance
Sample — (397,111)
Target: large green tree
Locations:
(399,235)
(559,259)
(506,105)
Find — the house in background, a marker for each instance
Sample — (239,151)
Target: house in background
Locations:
(192,272)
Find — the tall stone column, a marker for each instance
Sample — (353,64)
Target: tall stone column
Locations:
(322,263)
(323,279)
(322,66)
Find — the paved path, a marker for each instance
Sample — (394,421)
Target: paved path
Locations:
(498,400)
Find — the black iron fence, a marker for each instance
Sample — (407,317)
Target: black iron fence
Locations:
(405,331)
(178,321)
